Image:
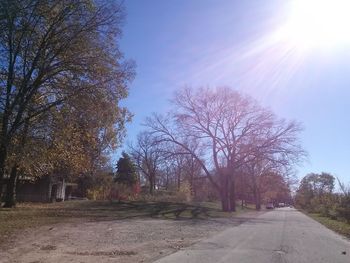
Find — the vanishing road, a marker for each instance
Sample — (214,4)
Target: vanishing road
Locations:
(282,235)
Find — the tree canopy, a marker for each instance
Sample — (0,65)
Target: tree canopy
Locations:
(62,76)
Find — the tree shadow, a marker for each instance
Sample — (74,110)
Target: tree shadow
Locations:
(137,209)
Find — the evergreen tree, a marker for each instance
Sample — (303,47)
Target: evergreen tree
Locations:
(126,170)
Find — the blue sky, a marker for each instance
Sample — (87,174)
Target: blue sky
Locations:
(231,43)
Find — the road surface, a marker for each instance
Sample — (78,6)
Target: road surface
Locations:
(280,236)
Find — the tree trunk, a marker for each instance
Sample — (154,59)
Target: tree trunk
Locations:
(258,202)
(224,203)
(232,195)
(3,155)
(4,140)
(167,180)
(257,198)
(193,190)
(225,200)
(154,183)
(10,197)
(151,187)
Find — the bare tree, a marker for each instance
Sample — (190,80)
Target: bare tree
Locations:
(182,165)
(191,172)
(227,128)
(148,156)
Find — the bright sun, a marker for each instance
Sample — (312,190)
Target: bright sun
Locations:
(318,23)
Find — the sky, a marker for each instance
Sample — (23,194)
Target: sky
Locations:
(239,44)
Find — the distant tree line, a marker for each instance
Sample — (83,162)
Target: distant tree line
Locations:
(316,195)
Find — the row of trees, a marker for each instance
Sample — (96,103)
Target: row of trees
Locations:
(61,78)
(316,195)
(219,134)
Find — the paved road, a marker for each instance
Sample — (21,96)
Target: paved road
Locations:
(280,236)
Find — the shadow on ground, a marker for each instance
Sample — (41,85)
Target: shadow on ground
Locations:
(140,209)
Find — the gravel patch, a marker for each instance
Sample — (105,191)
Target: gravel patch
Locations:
(136,240)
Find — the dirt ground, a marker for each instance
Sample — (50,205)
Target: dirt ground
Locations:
(129,240)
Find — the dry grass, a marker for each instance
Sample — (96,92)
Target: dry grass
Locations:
(337,226)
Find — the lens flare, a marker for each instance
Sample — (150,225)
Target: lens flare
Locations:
(318,23)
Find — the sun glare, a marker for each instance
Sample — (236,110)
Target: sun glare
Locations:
(318,23)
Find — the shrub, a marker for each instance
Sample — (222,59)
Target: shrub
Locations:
(343,210)
(121,191)
(185,192)
(161,196)
(95,187)
(314,206)
(333,214)
(98,193)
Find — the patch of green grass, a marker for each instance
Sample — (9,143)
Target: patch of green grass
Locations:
(337,226)
(31,215)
